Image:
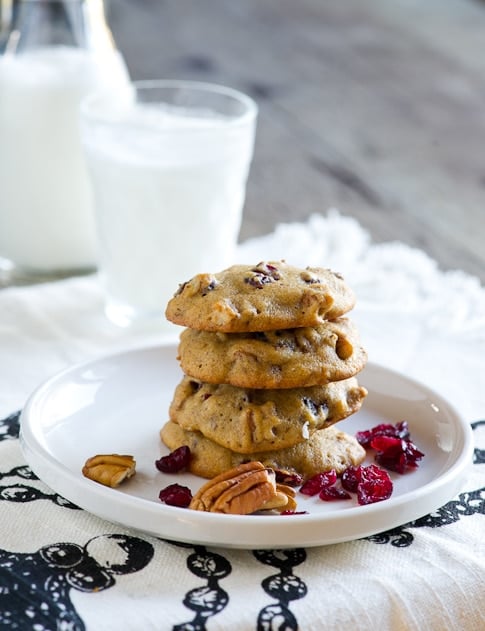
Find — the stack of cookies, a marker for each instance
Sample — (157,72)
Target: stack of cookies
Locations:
(269,362)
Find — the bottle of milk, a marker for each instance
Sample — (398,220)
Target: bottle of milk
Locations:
(57,52)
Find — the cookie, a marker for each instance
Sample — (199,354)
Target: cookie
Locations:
(248,421)
(326,449)
(267,296)
(289,358)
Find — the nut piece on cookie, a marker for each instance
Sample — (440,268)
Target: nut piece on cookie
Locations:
(243,490)
(109,469)
(267,296)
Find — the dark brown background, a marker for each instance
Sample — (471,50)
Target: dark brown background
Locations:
(374,107)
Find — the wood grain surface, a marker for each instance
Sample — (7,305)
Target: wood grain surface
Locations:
(373,107)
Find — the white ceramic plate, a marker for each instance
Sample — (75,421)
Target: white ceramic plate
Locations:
(118,404)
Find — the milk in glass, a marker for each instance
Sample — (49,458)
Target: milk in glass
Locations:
(169,187)
(46,212)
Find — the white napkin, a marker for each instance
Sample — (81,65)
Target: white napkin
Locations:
(412,316)
(428,575)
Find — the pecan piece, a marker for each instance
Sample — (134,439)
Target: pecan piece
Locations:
(309,276)
(109,469)
(201,283)
(242,490)
(283,500)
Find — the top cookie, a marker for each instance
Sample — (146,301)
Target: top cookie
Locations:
(264,297)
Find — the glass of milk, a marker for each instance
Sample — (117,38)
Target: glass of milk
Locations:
(58,51)
(168,165)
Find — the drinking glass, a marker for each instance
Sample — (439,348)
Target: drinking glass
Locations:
(168,165)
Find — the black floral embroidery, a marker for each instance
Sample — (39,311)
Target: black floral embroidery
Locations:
(478,454)
(23,471)
(35,587)
(22,492)
(283,587)
(468,503)
(209,599)
(10,427)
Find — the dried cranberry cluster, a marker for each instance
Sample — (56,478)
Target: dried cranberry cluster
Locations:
(371,483)
(394,449)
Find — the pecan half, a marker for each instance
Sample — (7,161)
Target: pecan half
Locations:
(245,489)
(109,469)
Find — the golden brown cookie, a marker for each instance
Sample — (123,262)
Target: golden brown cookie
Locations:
(326,449)
(248,421)
(267,296)
(290,358)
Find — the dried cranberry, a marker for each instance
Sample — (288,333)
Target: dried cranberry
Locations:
(330,493)
(351,479)
(371,483)
(268,269)
(176,461)
(262,274)
(316,483)
(323,484)
(258,280)
(176,495)
(396,454)
(399,430)
(288,478)
(272,268)
(375,485)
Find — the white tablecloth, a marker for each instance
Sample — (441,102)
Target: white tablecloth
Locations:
(63,568)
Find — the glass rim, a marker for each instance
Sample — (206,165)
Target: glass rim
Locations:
(248,115)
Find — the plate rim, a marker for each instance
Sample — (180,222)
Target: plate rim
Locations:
(191,520)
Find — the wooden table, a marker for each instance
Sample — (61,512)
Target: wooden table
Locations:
(376,108)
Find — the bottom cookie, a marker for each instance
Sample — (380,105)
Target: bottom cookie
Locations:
(326,449)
